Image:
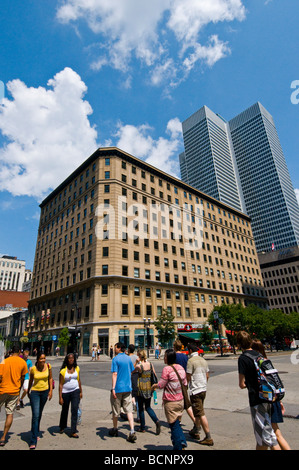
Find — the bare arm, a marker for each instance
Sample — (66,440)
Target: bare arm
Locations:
(242,383)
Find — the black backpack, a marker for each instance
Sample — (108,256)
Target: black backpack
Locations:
(270,385)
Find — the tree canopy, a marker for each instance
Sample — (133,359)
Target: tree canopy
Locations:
(267,325)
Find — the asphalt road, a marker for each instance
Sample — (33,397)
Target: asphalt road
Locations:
(98,375)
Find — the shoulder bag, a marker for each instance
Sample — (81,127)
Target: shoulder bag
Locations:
(187,402)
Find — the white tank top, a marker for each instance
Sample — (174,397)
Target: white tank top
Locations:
(70,382)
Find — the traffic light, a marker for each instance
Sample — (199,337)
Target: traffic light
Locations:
(216,324)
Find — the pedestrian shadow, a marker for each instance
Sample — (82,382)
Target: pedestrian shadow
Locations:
(103,433)
(54,430)
(26,436)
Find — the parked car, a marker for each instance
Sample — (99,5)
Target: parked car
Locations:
(200,351)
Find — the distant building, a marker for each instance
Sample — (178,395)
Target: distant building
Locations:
(13,273)
(241,163)
(14,300)
(13,314)
(280,271)
(27,281)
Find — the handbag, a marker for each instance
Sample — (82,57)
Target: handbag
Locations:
(154,379)
(187,402)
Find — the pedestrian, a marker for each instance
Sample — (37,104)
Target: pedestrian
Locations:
(24,389)
(93,353)
(39,391)
(182,359)
(173,398)
(260,411)
(277,408)
(98,352)
(122,368)
(157,351)
(134,378)
(13,370)
(111,352)
(197,378)
(70,393)
(144,369)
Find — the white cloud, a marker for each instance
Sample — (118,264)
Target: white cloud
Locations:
(161,153)
(165,35)
(48,134)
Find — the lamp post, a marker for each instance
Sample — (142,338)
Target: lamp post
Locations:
(147,323)
(76,308)
(217,322)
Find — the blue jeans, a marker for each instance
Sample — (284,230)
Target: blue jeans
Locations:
(72,398)
(37,402)
(145,402)
(177,436)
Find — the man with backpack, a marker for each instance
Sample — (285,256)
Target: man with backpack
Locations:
(260,409)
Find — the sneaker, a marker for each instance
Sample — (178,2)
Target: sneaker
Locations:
(194,433)
(21,404)
(18,407)
(132,437)
(207,442)
(113,432)
(158,428)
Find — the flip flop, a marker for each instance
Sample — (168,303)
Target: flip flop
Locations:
(2,443)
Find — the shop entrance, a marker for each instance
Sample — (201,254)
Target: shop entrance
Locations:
(103,335)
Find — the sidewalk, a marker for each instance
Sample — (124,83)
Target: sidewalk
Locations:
(226,409)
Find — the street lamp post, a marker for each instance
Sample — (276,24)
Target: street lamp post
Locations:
(76,308)
(147,323)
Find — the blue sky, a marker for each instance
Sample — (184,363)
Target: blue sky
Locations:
(78,75)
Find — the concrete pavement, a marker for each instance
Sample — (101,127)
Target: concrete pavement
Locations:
(226,409)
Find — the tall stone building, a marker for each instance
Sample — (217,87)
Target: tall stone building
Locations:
(241,163)
(120,240)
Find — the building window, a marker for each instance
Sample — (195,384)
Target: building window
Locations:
(137,310)
(104,289)
(104,309)
(125,309)
(136,272)
(105,269)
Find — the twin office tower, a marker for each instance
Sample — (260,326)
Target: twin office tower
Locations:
(240,162)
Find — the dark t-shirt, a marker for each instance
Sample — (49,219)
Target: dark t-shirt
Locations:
(246,367)
(182,359)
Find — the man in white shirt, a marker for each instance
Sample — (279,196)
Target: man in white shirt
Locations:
(197,377)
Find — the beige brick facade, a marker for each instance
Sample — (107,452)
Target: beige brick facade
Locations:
(120,240)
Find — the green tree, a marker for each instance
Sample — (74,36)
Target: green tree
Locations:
(64,337)
(266,325)
(233,318)
(206,336)
(165,327)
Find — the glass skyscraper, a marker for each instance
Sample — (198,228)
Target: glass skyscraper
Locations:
(240,162)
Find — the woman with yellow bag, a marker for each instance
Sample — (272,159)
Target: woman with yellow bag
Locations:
(145,370)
